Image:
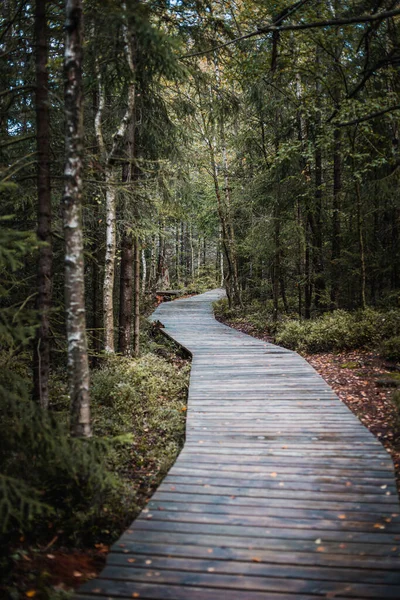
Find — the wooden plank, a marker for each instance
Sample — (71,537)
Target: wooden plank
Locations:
(279,493)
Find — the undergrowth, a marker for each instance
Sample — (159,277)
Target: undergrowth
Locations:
(77,492)
(372,329)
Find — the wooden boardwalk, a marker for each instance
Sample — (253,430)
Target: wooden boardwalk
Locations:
(279,493)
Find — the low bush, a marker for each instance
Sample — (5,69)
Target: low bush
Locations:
(86,490)
(390,349)
(341,330)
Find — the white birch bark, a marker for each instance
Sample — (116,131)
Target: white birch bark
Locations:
(78,364)
(108,157)
(144,271)
(109,265)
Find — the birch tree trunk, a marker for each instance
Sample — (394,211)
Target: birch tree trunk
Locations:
(109,267)
(144,271)
(72,220)
(41,354)
(109,158)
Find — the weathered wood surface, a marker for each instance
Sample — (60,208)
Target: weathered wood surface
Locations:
(279,492)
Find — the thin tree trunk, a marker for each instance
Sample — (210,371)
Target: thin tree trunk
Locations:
(276,273)
(153,266)
(307,274)
(41,355)
(72,219)
(96,308)
(126,298)
(109,162)
(136,287)
(126,271)
(363,272)
(144,271)
(109,266)
(177,254)
(336,226)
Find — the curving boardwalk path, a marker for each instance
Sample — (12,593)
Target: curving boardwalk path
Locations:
(280,493)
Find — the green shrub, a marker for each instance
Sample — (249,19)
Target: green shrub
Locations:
(44,470)
(142,396)
(390,349)
(340,330)
(293,334)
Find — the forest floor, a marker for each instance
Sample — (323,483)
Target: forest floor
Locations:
(363,381)
(52,568)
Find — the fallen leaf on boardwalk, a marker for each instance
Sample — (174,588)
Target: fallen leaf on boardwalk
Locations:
(318,541)
(131,560)
(321,549)
(342,516)
(273,474)
(135,595)
(256,559)
(211,569)
(148,562)
(379,526)
(102,548)
(210,551)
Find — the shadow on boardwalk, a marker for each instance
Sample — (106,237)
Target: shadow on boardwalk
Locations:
(279,492)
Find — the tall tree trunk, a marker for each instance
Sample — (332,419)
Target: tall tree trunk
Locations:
(153,265)
(126,271)
(336,226)
(136,293)
(318,262)
(177,254)
(72,219)
(319,279)
(109,266)
(144,271)
(41,355)
(307,274)
(109,158)
(276,271)
(360,228)
(96,305)
(126,297)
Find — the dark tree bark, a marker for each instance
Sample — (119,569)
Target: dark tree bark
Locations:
(72,204)
(41,355)
(126,274)
(316,215)
(336,225)
(307,274)
(136,321)
(276,271)
(318,264)
(126,296)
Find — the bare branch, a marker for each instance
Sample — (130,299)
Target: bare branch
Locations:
(368,117)
(301,26)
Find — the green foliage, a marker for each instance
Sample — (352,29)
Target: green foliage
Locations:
(340,330)
(146,398)
(390,348)
(44,470)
